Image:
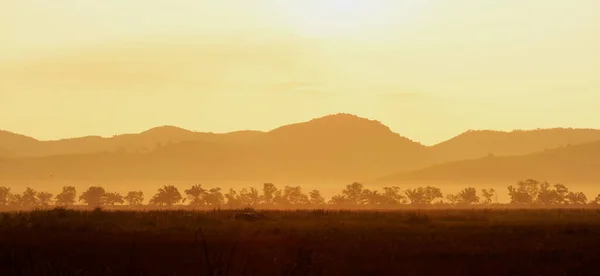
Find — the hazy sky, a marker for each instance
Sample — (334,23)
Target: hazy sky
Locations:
(428,69)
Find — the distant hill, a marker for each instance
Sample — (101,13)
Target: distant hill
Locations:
(23,146)
(476,144)
(334,147)
(339,146)
(578,163)
(4,153)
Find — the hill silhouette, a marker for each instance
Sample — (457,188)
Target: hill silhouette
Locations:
(4,153)
(23,146)
(476,144)
(339,146)
(567,164)
(334,147)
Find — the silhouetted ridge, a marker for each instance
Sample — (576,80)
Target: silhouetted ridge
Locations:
(480,143)
(578,163)
(166,130)
(342,125)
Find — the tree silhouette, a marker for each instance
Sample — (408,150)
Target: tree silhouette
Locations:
(44,198)
(94,196)
(551,195)
(372,197)
(316,198)
(423,195)
(353,193)
(196,195)
(29,198)
(167,196)
(249,197)
(576,198)
(393,195)
(134,198)
(468,196)
(5,196)
(66,197)
(113,198)
(214,197)
(561,192)
(294,195)
(16,200)
(596,200)
(453,199)
(233,200)
(338,200)
(487,195)
(269,193)
(525,192)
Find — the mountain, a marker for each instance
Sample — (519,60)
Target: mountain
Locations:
(578,163)
(4,153)
(334,147)
(476,144)
(23,146)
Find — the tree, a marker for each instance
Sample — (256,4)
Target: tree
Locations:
(551,195)
(249,197)
(44,198)
(561,192)
(269,193)
(113,198)
(453,199)
(214,197)
(526,192)
(294,195)
(372,197)
(596,200)
(488,195)
(468,196)
(315,198)
(5,196)
(232,198)
(134,198)
(16,200)
(576,198)
(353,193)
(196,195)
(338,200)
(167,195)
(393,195)
(423,195)
(66,197)
(29,198)
(94,196)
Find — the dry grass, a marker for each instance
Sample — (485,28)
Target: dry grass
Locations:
(305,242)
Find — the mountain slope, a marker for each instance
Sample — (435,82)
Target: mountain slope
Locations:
(22,146)
(333,147)
(4,153)
(578,163)
(476,144)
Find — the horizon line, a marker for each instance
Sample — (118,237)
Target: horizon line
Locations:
(298,122)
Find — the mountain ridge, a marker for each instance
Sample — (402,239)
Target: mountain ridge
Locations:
(337,146)
(573,163)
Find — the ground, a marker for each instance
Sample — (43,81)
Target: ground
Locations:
(319,242)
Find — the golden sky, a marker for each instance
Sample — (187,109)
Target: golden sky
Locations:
(428,69)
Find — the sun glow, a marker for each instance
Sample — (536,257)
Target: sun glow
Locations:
(345,18)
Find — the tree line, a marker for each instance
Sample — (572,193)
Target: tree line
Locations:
(528,191)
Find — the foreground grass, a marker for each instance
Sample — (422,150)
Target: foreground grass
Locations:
(319,242)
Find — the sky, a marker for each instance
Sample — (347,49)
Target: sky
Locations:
(427,69)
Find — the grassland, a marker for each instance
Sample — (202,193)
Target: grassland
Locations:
(305,242)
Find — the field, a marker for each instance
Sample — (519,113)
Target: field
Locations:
(304,242)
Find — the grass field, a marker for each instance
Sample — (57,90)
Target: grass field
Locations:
(309,242)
